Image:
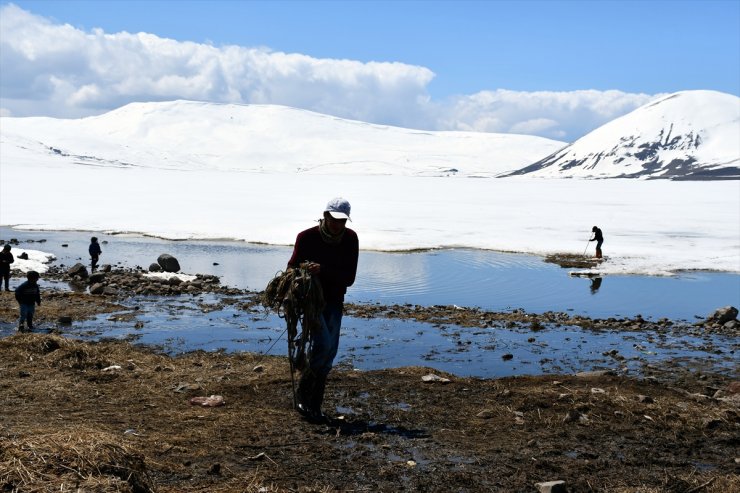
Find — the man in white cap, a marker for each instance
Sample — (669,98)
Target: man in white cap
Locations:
(331,250)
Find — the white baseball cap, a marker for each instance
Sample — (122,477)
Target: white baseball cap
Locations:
(338,208)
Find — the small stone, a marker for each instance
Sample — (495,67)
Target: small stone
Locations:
(258,369)
(645,399)
(551,487)
(97,288)
(593,374)
(434,378)
(485,414)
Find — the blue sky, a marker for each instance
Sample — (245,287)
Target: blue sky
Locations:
(485,65)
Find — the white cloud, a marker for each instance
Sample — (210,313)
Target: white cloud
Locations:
(57,70)
(556,115)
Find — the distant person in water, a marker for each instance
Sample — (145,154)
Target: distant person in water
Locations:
(95,252)
(6,258)
(598,238)
(28,296)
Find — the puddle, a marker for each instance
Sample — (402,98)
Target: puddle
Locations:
(186,323)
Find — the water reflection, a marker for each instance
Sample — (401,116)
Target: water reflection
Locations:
(595,284)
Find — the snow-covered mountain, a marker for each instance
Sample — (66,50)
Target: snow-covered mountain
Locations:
(187,135)
(690,135)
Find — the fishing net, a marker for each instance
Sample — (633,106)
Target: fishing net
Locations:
(296,296)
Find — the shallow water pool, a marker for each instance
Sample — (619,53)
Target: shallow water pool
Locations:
(463,277)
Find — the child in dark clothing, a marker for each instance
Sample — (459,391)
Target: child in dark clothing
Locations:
(28,296)
(6,258)
(95,252)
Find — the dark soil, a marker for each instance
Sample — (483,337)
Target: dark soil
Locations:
(113,417)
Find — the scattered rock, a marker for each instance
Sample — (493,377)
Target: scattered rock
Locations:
(78,270)
(168,263)
(485,414)
(434,378)
(723,315)
(155,267)
(551,487)
(645,399)
(97,288)
(210,401)
(96,277)
(23,255)
(64,320)
(594,374)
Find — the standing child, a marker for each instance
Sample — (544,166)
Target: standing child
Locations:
(95,252)
(6,258)
(28,296)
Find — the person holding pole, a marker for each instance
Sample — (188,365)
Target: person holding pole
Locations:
(331,252)
(598,237)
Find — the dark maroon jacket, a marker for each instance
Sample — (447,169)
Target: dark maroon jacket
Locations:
(338,262)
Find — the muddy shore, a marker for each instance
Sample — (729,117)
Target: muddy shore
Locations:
(112,416)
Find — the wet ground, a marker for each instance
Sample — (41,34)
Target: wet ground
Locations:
(112,417)
(83,412)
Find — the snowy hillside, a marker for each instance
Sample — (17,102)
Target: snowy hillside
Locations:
(691,135)
(186,135)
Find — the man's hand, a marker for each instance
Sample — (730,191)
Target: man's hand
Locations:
(314,268)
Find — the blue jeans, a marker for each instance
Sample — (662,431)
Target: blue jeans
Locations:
(27,312)
(326,340)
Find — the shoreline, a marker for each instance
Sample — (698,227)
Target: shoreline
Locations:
(564,259)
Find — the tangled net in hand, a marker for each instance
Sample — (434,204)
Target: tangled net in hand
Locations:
(296,296)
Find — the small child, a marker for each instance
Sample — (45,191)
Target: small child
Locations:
(28,296)
(6,258)
(95,251)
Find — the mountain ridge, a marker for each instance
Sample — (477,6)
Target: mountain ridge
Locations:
(266,138)
(689,135)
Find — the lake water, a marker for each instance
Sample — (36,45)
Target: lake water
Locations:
(470,278)
(490,280)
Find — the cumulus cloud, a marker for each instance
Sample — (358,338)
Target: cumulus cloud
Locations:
(55,69)
(556,115)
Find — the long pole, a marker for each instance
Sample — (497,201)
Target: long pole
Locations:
(584,250)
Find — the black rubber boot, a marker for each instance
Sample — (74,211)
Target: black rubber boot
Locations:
(305,391)
(317,398)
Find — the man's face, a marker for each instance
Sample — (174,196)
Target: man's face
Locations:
(335,226)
